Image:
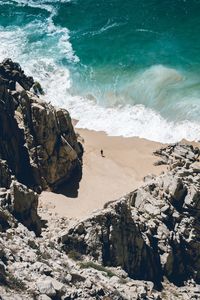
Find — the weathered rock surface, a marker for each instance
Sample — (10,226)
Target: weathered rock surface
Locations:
(154,232)
(38,148)
(148,239)
(38,268)
(37,140)
(17,202)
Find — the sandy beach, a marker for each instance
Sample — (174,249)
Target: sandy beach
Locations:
(126,162)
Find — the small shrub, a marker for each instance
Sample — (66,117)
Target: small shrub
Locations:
(122,280)
(43,256)
(74,255)
(77,278)
(90,264)
(32,244)
(51,245)
(15,283)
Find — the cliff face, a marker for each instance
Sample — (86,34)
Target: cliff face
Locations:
(154,232)
(37,140)
(38,147)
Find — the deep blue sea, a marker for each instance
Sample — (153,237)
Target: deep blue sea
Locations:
(128,67)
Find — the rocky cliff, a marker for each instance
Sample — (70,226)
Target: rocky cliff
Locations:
(38,147)
(154,232)
(37,140)
(142,246)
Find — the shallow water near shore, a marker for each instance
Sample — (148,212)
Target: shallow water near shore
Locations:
(129,68)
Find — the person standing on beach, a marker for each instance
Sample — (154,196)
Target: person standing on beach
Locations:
(102,153)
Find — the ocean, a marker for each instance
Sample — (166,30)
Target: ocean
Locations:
(127,67)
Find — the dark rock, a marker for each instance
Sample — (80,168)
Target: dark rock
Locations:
(37,141)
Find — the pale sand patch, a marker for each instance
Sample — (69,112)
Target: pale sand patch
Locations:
(126,162)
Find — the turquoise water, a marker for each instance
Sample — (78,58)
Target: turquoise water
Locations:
(128,67)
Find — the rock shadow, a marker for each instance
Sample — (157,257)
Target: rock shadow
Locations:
(70,188)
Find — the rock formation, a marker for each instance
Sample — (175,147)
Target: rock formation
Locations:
(38,147)
(37,140)
(17,203)
(154,232)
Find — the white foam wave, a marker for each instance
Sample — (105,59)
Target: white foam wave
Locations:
(15,40)
(150,85)
(125,120)
(43,4)
(47,5)
(12,43)
(132,121)
(31,3)
(109,25)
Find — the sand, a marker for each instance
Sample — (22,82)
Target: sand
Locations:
(126,162)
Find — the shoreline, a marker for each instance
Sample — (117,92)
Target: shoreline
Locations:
(127,161)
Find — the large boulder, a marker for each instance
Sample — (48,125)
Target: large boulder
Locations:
(24,203)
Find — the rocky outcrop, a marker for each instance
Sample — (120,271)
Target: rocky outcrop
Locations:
(51,142)
(17,203)
(34,267)
(154,232)
(122,252)
(37,140)
(11,72)
(37,268)
(38,147)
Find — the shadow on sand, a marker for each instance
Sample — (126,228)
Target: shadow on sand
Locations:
(71,187)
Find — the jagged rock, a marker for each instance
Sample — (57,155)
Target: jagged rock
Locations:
(17,201)
(196,167)
(37,140)
(24,206)
(12,142)
(12,73)
(114,238)
(38,148)
(152,232)
(44,297)
(46,287)
(2,273)
(41,268)
(5,219)
(5,175)
(59,288)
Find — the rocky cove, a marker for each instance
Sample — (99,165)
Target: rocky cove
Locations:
(145,245)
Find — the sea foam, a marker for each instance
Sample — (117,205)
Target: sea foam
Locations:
(154,103)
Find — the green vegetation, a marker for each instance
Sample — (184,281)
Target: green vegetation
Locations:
(74,255)
(14,282)
(90,264)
